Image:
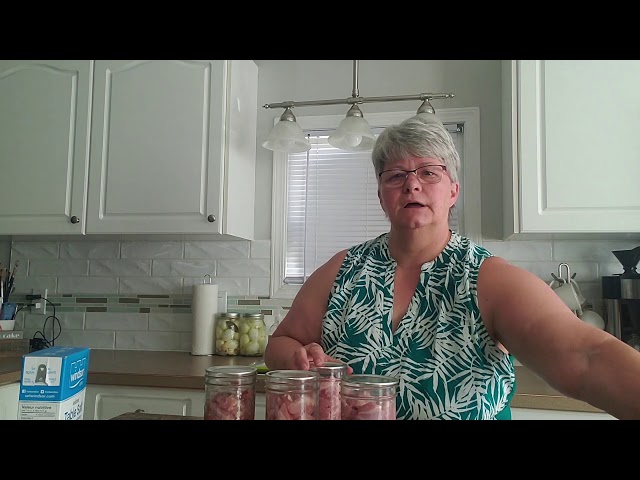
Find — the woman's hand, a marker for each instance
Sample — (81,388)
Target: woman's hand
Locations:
(312,354)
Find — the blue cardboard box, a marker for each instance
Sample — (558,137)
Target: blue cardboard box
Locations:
(53,384)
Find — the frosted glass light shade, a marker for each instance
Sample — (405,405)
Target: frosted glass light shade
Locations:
(353,133)
(427,117)
(287,136)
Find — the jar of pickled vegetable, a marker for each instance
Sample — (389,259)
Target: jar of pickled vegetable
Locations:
(368,397)
(253,334)
(331,374)
(291,395)
(227,333)
(230,393)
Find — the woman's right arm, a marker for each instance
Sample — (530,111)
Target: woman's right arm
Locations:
(296,341)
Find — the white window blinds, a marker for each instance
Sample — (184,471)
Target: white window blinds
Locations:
(332,204)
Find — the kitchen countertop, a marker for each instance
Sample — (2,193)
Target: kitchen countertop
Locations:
(164,369)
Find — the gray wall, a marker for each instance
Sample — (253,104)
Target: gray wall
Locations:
(475,83)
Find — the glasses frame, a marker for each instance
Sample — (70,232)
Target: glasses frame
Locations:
(415,170)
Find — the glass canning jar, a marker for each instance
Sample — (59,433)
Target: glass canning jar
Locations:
(230,393)
(291,395)
(227,333)
(253,334)
(368,397)
(329,403)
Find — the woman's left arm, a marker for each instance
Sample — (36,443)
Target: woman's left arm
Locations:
(522,313)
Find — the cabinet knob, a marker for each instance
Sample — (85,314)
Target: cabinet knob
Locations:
(74,219)
(211,218)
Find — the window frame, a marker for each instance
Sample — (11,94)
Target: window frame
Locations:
(472,211)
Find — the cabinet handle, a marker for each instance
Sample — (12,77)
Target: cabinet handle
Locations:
(211,218)
(139,410)
(74,219)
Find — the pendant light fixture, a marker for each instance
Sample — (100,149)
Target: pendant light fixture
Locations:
(353,133)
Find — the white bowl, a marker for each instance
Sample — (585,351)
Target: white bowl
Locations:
(7,324)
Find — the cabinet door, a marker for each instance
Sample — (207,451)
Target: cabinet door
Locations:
(9,401)
(44,110)
(578,146)
(103,402)
(540,414)
(157,146)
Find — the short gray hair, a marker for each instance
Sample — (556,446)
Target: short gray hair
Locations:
(415,138)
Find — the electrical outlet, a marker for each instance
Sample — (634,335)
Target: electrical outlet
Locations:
(41,303)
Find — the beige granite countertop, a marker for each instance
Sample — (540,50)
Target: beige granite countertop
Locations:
(183,370)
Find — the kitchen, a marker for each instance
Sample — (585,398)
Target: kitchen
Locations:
(98,273)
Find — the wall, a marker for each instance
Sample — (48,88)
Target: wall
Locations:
(475,83)
(136,294)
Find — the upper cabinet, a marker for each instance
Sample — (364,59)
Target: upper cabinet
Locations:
(171,147)
(44,157)
(571,146)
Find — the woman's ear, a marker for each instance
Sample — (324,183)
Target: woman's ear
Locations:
(455,192)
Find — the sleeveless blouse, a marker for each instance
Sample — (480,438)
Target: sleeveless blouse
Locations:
(447,364)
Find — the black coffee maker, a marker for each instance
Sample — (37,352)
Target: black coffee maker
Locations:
(621,299)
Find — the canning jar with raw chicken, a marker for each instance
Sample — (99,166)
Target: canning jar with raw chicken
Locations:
(329,403)
(230,393)
(291,394)
(368,397)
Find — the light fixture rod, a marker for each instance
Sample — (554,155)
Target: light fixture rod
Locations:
(355,93)
(352,100)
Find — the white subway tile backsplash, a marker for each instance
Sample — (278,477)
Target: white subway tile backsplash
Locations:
(151,249)
(170,322)
(89,250)
(68,321)
(244,268)
(585,272)
(116,321)
(87,338)
(184,268)
(150,285)
(524,251)
(34,250)
(591,250)
(259,286)
(58,268)
(120,268)
(148,340)
(234,287)
(261,249)
(103,285)
(166,271)
(215,249)
(27,284)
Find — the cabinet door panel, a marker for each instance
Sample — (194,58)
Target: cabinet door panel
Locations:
(579,152)
(156,155)
(44,110)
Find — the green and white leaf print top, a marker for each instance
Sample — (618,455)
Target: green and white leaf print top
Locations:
(447,364)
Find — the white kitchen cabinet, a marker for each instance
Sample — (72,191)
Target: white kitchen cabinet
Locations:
(571,148)
(44,111)
(103,402)
(541,414)
(173,147)
(9,401)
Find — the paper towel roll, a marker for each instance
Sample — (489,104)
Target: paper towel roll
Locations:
(204,306)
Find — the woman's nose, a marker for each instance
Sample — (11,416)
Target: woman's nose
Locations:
(412,182)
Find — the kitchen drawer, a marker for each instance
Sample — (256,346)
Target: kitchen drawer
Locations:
(104,402)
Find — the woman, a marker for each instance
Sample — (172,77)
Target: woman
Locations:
(442,314)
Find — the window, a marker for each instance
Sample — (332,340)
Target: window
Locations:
(325,200)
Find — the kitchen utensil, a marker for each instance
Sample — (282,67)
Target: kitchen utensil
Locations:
(592,318)
(568,295)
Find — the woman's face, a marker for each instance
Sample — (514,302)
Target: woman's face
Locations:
(415,204)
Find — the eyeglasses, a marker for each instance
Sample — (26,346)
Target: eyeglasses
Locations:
(426,174)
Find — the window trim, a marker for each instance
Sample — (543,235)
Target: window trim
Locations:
(472,221)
